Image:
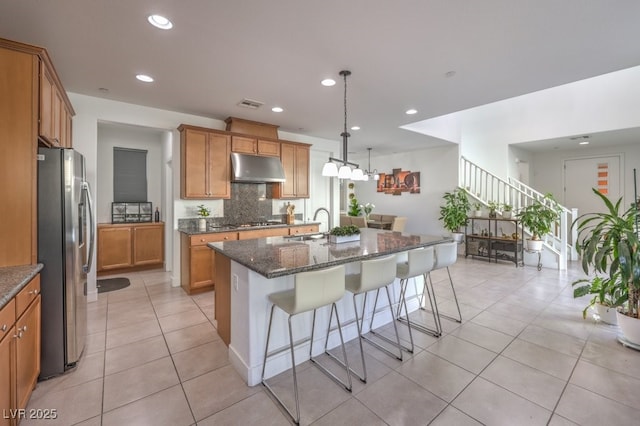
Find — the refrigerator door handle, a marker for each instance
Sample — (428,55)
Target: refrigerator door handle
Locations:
(86,268)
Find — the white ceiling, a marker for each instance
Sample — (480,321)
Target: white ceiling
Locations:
(277,52)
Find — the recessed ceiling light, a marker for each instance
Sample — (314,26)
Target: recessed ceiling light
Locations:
(584,143)
(355,128)
(328,82)
(277,109)
(160,21)
(145,78)
(411,111)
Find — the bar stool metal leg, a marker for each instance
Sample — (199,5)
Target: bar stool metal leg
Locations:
(345,363)
(296,416)
(455,297)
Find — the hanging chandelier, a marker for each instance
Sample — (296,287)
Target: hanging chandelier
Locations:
(330,168)
(368,174)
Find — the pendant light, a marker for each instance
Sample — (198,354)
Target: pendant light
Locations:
(368,173)
(330,168)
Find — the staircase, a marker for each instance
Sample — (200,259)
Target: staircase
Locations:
(485,187)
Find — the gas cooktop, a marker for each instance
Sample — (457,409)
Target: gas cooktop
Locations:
(260,223)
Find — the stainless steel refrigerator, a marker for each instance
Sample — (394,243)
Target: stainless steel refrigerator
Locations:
(65,246)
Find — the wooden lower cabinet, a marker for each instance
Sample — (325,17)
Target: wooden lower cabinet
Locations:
(20,321)
(27,352)
(129,246)
(197,260)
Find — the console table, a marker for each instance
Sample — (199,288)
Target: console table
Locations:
(494,238)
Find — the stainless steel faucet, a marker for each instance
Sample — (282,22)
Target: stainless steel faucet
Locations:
(328,215)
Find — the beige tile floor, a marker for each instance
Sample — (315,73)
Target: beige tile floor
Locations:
(522,356)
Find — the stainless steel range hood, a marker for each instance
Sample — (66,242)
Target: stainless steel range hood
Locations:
(254,168)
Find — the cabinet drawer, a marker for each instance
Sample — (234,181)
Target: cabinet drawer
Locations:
(7,317)
(262,233)
(27,295)
(303,229)
(203,239)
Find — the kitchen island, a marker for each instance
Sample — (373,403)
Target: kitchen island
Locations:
(248,271)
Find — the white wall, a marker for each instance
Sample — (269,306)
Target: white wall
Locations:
(599,104)
(438,169)
(548,168)
(110,136)
(91,111)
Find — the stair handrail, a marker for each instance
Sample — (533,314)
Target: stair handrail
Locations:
(486,186)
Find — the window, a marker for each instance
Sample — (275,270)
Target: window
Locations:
(129,175)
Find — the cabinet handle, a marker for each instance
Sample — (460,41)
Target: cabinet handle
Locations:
(202,240)
(4,327)
(24,328)
(34,292)
(226,238)
(19,335)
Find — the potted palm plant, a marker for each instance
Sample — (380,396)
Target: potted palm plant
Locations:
(538,217)
(608,243)
(607,295)
(453,213)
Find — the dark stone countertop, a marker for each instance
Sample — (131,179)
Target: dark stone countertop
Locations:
(274,257)
(192,229)
(14,278)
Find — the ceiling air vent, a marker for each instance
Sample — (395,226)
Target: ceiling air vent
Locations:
(250,103)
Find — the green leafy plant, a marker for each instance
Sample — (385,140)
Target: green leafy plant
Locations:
(453,213)
(477,206)
(605,290)
(608,243)
(507,207)
(539,216)
(203,211)
(343,231)
(354,208)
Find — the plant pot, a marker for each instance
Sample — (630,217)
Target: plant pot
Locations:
(630,328)
(506,215)
(202,224)
(477,213)
(534,245)
(607,314)
(458,237)
(337,239)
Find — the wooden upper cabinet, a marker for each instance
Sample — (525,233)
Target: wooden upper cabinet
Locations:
(55,114)
(268,148)
(205,164)
(295,161)
(244,145)
(253,146)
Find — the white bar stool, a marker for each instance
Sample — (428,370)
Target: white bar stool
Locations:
(419,263)
(312,290)
(374,275)
(446,255)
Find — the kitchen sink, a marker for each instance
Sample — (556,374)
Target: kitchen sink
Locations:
(304,237)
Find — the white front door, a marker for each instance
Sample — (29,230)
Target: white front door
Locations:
(583,174)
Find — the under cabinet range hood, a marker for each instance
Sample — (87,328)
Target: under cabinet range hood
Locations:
(256,169)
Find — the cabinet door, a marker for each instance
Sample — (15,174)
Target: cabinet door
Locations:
(218,166)
(47,95)
(201,268)
(7,374)
(243,145)
(114,247)
(302,171)
(268,148)
(288,158)
(56,117)
(194,147)
(148,244)
(27,352)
